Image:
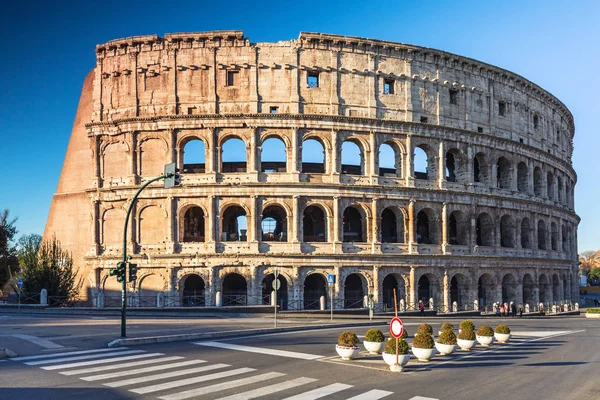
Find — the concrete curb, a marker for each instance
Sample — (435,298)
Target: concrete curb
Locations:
(230,334)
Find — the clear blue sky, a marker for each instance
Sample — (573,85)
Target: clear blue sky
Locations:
(47,48)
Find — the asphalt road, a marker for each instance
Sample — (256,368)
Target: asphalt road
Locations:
(549,358)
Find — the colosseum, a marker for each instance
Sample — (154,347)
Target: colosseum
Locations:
(390,166)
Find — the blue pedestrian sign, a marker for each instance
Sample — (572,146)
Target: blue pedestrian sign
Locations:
(20,283)
(331,279)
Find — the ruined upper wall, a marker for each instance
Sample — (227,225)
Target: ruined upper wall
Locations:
(221,72)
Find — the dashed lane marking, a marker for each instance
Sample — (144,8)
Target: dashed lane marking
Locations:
(263,391)
(119,366)
(70,353)
(141,370)
(320,392)
(260,350)
(166,375)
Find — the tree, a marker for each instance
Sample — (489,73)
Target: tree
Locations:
(8,251)
(587,261)
(46,265)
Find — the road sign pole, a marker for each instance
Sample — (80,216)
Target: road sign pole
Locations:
(276,287)
(331,300)
(396,312)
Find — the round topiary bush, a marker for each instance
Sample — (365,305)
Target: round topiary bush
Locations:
(390,347)
(485,331)
(502,329)
(347,339)
(447,326)
(466,324)
(447,337)
(466,334)
(423,341)
(374,335)
(426,328)
(404,334)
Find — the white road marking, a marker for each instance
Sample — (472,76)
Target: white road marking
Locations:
(422,398)
(47,344)
(221,386)
(103,361)
(70,353)
(166,375)
(86,357)
(263,391)
(119,366)
(141,370)
(320,392)
(539,333)
(372,395)
(260,350)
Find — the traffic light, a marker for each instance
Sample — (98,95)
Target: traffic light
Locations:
(172,177)
(132,272)
(120,271)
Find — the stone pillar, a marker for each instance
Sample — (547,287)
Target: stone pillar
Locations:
(334,153)
(444,227)
(446,292)
(212,220)
(210,151)
(252,152)
(44,297)
(410,167)
(338,292)
(95,144)
(375,289)
(441,165)
(375,227)
(336,220)
(295,154)
(519,294)
(470,174)
(132,170)
(530,185)
(411,225)
(373,164)
(253,220)
(296,218)
(172,230)
(412,295)
(95,232)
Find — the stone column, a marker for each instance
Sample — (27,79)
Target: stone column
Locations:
(410,167)
(559,243)
(253,157)
(446,292)
(336,223)
(530,185)
(411,225)
(173,233)
(132,170)
(212,218)
(296,225)
(253,220)
(295,154)
(95,145)
(338,293)
(375,226)
(334,153)
(470,170)
(441,165)
(95,232)
(210,155)
(373,165)
(412,295)
(375,284)
(444,227)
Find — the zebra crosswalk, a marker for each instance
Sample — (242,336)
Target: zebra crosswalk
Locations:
(165,377)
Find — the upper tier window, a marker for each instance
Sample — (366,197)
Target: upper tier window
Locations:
(388,86)
(454,97)
(312,80)
(502,109)
(231,78)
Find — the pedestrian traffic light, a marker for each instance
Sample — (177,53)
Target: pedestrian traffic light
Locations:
(120,271)
(172,177)
(132,272)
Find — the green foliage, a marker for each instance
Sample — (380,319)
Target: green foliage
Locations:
(485,331)
(502,329)
(423,341)
(425,328)
(49,267)
(8,251)
(390,347)
(466,324)
(447,326)
(374,335)
(404,334)
(447,337)
(593,311)
(347,339)
(466,334)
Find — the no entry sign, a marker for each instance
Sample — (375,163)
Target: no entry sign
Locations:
(396,327)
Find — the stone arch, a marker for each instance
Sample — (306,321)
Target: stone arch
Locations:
(559,183)
(537,181)
(234,224)
(507,231)
(545,289)
(428,287)
(355,288)
(459,290)
(273,154)
(525,233)
(390,282)
(485,230)
(424,162)
(114,156)
(481,168)
(152,223)
(314,223)
(458,228)
(274,223)
(541,227)
(354,224)
(149,286)
(529,290)
(509,288)
(486,290)
(193,291)
(152,156)
(192,225)
(556,292)
(235,290)
(553,236)
(565,285)
(456,168)
(315,286)
(392,225)
(314,155)
(352,157)
(282,293)
(390,159)
(427,231)
(113,220)
(193,156)
(504,173)
(233,154)
(550,185)
(522,177)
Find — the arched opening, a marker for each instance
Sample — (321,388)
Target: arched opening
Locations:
(522,177)
(273,156)
(193,225)
(194,157)
(390,163)
(554,236)
(565,287)
(480,168)
(459,291)
(354,291)
(559,182)
(274,224)
(314,225)
(504,173)
(485,230)
(193,291)
(315,286)
(537,181)
(455,170)
(450,167)
(353,225)
(458,228)
(391,282)
(282,293)
(525,233)
(235,290)
(234,225)
(352,159)
(528,290)
(507,231)
(550,185)
(428,288)
(392,230)
(564,239)
(421,163)
(148,288)
(426,230)
(509,289)
(541,234)
(545,292)
(556,292)
(233,155)
(313,157)
(486,290)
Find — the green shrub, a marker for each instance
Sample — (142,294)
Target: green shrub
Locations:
(423,341)
(502,329)
(447,337)
(593,311)
(466,324)
(347,339)
(374,335)
(390,347)
(447,326)
(425,328)
(466,334)
(485,331)
(404,334)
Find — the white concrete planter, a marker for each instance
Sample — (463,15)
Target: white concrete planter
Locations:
(465,345)
(484,340)
(502,337)
(347,353)
(390,359)
(423,354)
(444,349)
(374,347)
(594,316)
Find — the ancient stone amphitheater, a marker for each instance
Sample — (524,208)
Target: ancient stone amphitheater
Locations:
(387,165)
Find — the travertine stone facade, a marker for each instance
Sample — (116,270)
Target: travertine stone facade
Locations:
(490,219)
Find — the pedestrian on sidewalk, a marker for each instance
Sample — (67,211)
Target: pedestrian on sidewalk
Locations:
(422,307)
(513,309)
(520,310)
(501,308)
